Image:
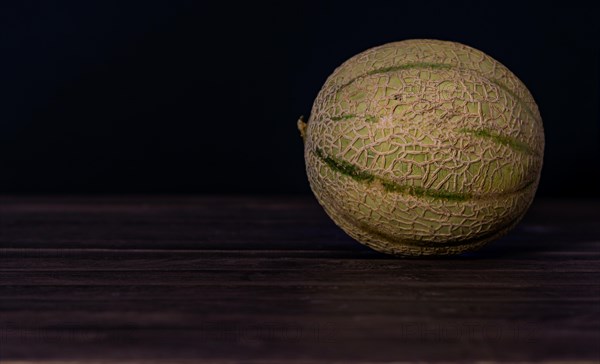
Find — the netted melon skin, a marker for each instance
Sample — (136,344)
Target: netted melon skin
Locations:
(424,147)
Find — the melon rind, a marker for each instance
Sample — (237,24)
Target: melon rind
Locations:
(424,147)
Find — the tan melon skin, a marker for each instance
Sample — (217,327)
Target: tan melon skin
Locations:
(424,147)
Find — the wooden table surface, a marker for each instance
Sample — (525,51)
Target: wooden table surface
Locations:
(178,279)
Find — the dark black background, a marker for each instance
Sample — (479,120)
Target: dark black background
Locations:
(194,97)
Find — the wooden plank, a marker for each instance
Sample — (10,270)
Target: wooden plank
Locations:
(270,279)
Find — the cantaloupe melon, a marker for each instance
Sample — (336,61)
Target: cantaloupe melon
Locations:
(424,147)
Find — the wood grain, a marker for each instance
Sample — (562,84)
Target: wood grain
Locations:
(269,279)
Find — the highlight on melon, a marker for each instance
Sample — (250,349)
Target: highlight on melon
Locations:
(424,147)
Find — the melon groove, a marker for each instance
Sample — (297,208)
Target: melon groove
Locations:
(438,66)
(354,172)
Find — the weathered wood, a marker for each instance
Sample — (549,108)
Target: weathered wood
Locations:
(270,279)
